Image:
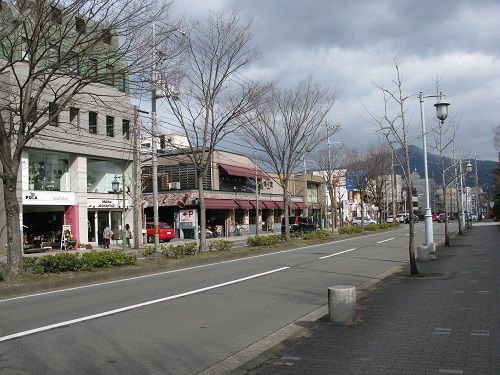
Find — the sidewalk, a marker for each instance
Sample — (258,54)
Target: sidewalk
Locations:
(446,324)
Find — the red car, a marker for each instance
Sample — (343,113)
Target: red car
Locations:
(435,217)
(166,232)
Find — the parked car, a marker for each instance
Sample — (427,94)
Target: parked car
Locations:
(402,218)
(167,232)
(442,218)
(407,219)
(435,217)
(366,220)
(390,219)
(299,224)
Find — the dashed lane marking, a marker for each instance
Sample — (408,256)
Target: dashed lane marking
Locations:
(340,252)
(389,239)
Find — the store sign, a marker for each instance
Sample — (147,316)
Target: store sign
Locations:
(187,219)
(104,203)
(48,198)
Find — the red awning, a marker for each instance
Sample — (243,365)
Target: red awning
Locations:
(300,205)
(234,170)
(220,204)
(244,205)
(261,205)
(281,205)
(270,205)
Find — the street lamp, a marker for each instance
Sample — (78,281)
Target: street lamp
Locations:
(115,185)
(442,114)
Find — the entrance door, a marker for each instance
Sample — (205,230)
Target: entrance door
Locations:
(91,226)
(102,222)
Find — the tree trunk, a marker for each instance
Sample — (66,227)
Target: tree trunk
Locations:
(14,238)
(286,201)
(332,208)
(446,232)
(362,210)
(203,215)
(411,244)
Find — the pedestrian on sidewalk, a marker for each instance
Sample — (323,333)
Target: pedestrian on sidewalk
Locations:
(107,235)
(128,234)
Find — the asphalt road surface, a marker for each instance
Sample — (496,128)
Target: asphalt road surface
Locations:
(184,321)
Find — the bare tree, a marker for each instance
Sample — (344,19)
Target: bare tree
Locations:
(51,55)
(358,175)
(379,167)
(215,96)
(287,127)
(329,162)
(444,138)
(394,126)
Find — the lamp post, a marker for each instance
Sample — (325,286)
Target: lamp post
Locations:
(468,170)
(442,114)
(115,185)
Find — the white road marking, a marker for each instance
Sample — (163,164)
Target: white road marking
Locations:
(184,269)
(132,307)
(340,252)
(389,239)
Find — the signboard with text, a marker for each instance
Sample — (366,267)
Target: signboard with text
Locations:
(48,198)
(105,203)
(187,219)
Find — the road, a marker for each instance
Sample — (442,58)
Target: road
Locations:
(184,321)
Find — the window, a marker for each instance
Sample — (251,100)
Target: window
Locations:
(73,63)
(53,114)
(110,74)
(122,83)
(80,25)
(126,129)
(53,54)
(48,171)
(101,174)
(93,67)
(56,15)
(93,122)
(106,36)
(74,117)
(25,49)
(110,126)
(31,117)
(312,193)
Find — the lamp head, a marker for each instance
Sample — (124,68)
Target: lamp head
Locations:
(441,109)
(469,167)
(115,185)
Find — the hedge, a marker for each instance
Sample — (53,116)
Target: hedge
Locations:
(72,262)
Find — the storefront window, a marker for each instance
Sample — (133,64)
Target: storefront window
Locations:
(101,173)
(48,171)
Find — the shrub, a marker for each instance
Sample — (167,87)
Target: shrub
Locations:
(220,245)
(62,262)
(190,248)
(321,234)
(352,229)
(106,259)
(29,263)
(149,252)
(265,240)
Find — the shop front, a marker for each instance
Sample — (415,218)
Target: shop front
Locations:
(44,214)
(102,213)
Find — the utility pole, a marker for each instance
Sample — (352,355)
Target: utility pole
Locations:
(477,189)
(136,179)
(154,158)
(393,185)
(256,196)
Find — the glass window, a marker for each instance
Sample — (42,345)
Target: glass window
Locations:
(80,25)
(126,129)
(312,193)
(74,117)
(101,173)
(48,171)
(93,122)
(110,126)
(53,114)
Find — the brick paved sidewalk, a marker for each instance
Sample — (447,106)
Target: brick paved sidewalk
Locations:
(447,324)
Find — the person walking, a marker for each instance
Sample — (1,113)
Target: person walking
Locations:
(107,235)
(128,234)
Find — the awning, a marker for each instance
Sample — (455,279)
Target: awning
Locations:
(300,205)
(270,205)
(234,170)
(244,205)
(281,205)
(261,205)
(221,204)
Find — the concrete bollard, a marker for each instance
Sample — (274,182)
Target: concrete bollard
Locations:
(423,254)
(342,303)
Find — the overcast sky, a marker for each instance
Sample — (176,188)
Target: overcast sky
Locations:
(347,45)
